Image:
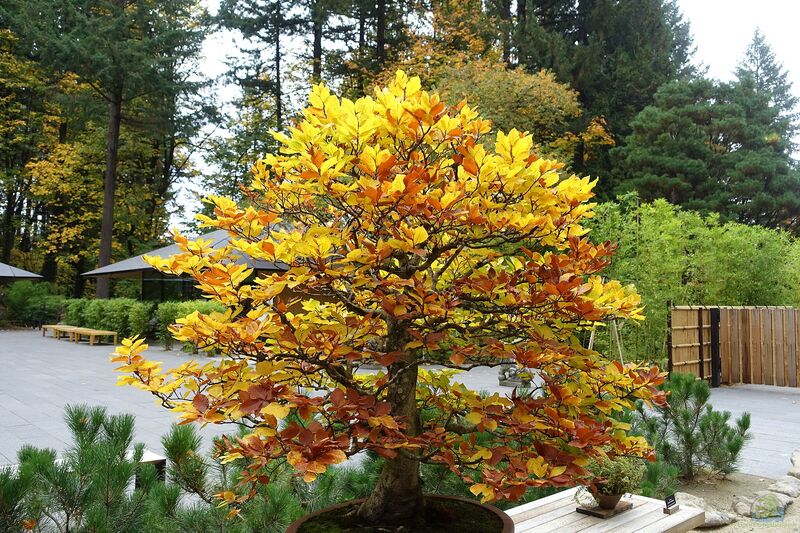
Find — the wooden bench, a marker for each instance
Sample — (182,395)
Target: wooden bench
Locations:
(59,330)
(557,513)
(77,335)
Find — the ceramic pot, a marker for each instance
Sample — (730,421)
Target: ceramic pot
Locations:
(608,501)
(507,527)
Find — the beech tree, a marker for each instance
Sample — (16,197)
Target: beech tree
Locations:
(408,242)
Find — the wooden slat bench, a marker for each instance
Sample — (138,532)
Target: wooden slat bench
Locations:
(77,334)
(557,513)
(59,330)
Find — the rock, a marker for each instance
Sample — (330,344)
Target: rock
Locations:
(788,485)
(767,505)
(584,498)
(795,471)
(782,498)
(714,517)
(742,505)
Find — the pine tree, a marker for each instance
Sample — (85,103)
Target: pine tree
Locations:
(676,147)
(260,71)
(763,177)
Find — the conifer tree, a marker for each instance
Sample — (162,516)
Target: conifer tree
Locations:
(123,50)
(763,176)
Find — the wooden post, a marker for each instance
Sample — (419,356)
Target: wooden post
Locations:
(700,342)
(669,338)
(716,369)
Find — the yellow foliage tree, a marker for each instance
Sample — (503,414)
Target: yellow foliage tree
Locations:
(407,243)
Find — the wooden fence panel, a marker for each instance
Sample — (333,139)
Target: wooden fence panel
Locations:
(746,344)
(766,346)
(758,345)
(735,356)
(725,344)
(778,345)
(791,344)
(755,354)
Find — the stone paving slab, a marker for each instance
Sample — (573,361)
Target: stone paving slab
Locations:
(775,425)
(40,375)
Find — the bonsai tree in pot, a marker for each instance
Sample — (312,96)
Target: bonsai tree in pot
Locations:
(411,238)
(614,478)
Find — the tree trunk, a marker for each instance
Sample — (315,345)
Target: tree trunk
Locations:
(380,34)
(79,283)
(109,189)
(505,16)
(317,21)
(49,267)
(362,39)
(8,226)
(278,88)
(397,496)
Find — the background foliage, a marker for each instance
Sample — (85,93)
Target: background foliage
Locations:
(682,257)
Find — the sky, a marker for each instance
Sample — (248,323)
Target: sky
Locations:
(722,30)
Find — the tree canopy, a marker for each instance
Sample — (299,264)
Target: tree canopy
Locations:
(409,241)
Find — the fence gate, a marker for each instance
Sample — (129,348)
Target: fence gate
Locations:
(736,344)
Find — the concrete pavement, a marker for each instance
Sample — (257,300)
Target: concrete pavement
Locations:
(39,376)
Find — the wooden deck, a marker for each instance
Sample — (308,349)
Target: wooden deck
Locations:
(557,513)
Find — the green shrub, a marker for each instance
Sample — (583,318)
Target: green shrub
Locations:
(110,314)
(90,489)
(620,475)
(73,311)
(139,316)
(29,303)
(689,434)
(168,313)
(117,311)
(92,314)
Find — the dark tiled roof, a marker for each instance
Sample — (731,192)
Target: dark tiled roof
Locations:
(136,264)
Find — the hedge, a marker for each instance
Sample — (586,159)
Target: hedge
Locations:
(168,313)
(28,303)
(130,317)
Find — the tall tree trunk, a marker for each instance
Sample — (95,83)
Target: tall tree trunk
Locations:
(79,283)
(278,88)
(109,188)
(8,225)
(317,22)
(397,496)
(380,34)
(505,16)
(362,40)
(49,267)
(522,14)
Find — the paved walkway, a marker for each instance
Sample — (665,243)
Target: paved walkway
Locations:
(39,376)
(774,424)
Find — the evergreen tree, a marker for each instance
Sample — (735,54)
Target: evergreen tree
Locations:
(676,147)
(122,49)
(763,177)
(615,53)
(724,147)
(264,24)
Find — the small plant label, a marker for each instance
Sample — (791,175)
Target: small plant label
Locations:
(671,504)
